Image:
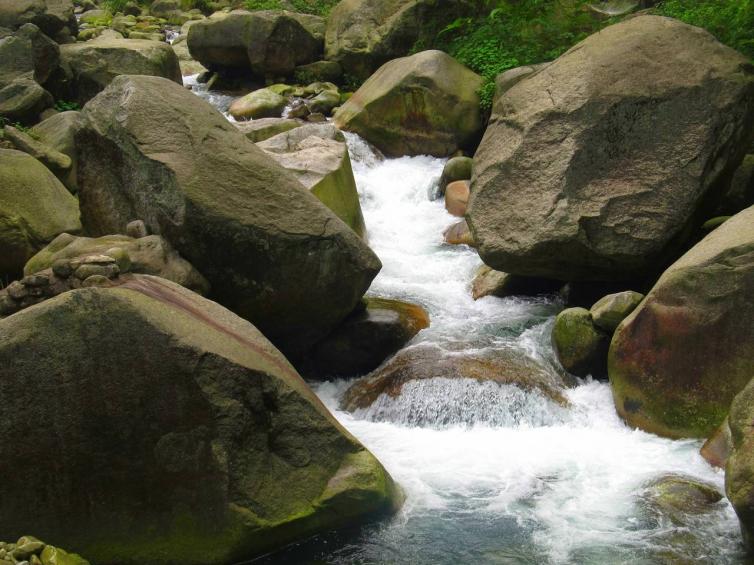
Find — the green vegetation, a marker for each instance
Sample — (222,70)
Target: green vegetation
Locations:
(731,21)
(65,106)
(316,7)
(508,34)
(114,6)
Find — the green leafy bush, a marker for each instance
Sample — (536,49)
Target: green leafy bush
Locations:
(65,106)
(316,7)
(510,33)
(731,21)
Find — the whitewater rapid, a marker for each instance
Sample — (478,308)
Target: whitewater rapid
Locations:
(518,479)
(493,474)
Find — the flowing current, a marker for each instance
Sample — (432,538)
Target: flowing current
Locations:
(492,473)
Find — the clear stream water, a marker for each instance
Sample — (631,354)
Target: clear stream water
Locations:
(493,474)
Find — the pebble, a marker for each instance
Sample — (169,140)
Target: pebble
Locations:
(136,229)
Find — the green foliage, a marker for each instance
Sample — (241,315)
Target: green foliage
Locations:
(65,106)
(114,6)
(731,21)
(511,33)
(316,7)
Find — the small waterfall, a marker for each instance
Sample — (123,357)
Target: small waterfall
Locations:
(493,472)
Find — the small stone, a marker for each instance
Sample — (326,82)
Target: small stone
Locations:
(62,268)
(316,118)
(121,257)
(137,229)
(97,260)
(457,197)
(96,280)
(36,281)
(17,291)
(88,270)
(26,547)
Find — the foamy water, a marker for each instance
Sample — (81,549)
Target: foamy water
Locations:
(493,474)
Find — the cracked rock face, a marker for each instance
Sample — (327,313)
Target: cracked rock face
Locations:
(270,250)
(598,166)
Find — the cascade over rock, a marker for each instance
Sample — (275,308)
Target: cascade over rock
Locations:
(271,251)
(425,104)
(164,415)
(601,165)
(679,359)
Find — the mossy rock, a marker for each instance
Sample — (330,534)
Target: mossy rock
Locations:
(680,358)
(201,440)
(739,467)
(262,103)
(581,346)
(34,208)
(425,104)
(608,312)
(679,498)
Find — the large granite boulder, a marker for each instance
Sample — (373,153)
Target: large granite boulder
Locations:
(601,165)
(51,16)
(423,104)
(87,68)
(364,34)
(271,251)
(318,156)
(34,208)
(266,42)
(150,255)
(739,467)
(162,414)
(679,359)
(27,58)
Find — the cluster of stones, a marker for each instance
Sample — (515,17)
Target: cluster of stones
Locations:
(28,550)
(313,102)
(65,275)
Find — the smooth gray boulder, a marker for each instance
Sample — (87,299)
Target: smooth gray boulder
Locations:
(87,68)
(272,252)
(601,165)
(265,42)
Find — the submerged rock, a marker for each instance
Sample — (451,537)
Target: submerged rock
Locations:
(271,251)
(265,42)
(423,104)
(318,156)
(428,362)
(88,68)
(34,208)
(586,171)
(459,234)
(679,359)
(196,428)
(367,337)
(678,498)
(149,255)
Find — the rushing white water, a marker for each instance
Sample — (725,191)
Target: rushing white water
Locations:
(519,479)
(493,474)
